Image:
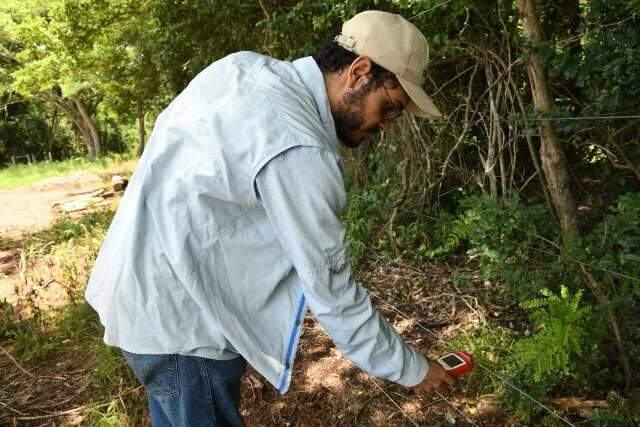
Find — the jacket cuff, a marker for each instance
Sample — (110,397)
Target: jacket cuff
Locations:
(415,370)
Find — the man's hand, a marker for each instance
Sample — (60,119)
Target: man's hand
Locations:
(434,379)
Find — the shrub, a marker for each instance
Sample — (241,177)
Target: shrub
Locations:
(507,238)
(562,329)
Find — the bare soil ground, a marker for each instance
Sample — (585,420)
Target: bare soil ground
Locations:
(29,209)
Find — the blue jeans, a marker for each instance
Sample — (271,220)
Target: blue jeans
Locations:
(188,391)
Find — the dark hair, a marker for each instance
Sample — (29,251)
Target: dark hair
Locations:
(333,58)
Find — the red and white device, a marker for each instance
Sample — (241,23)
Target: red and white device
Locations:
(457,364)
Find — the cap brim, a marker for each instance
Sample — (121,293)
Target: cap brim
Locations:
(421,105)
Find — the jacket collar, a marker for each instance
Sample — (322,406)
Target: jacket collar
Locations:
(313,79)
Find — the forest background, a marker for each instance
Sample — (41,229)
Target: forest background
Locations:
(532,175)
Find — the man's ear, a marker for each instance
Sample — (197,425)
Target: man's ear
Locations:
(358,71)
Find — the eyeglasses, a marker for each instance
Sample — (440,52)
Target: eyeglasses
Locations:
(396,112)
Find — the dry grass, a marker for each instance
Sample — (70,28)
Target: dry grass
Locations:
(23,175)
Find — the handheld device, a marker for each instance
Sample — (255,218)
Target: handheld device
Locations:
(457,364)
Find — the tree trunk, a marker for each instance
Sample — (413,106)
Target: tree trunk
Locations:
(141,130)
(86,135)
(88,123)
(69,109)
(51,129)
(553,163)
(74,109)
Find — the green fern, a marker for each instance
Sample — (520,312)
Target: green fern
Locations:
(562,325)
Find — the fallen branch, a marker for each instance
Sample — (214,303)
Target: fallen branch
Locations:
(579,403)
(15,362)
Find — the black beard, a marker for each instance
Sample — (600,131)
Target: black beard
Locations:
(349,116)
(347,121)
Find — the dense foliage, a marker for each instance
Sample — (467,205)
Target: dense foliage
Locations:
(89,77)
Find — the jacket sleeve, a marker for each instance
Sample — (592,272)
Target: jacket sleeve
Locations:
(302,192)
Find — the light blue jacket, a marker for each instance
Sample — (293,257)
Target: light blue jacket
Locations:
(230,230)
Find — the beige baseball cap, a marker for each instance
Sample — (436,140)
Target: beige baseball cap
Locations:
(397,45)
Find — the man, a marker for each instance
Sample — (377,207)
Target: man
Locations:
(230,227)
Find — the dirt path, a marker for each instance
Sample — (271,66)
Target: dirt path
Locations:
(29,209)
